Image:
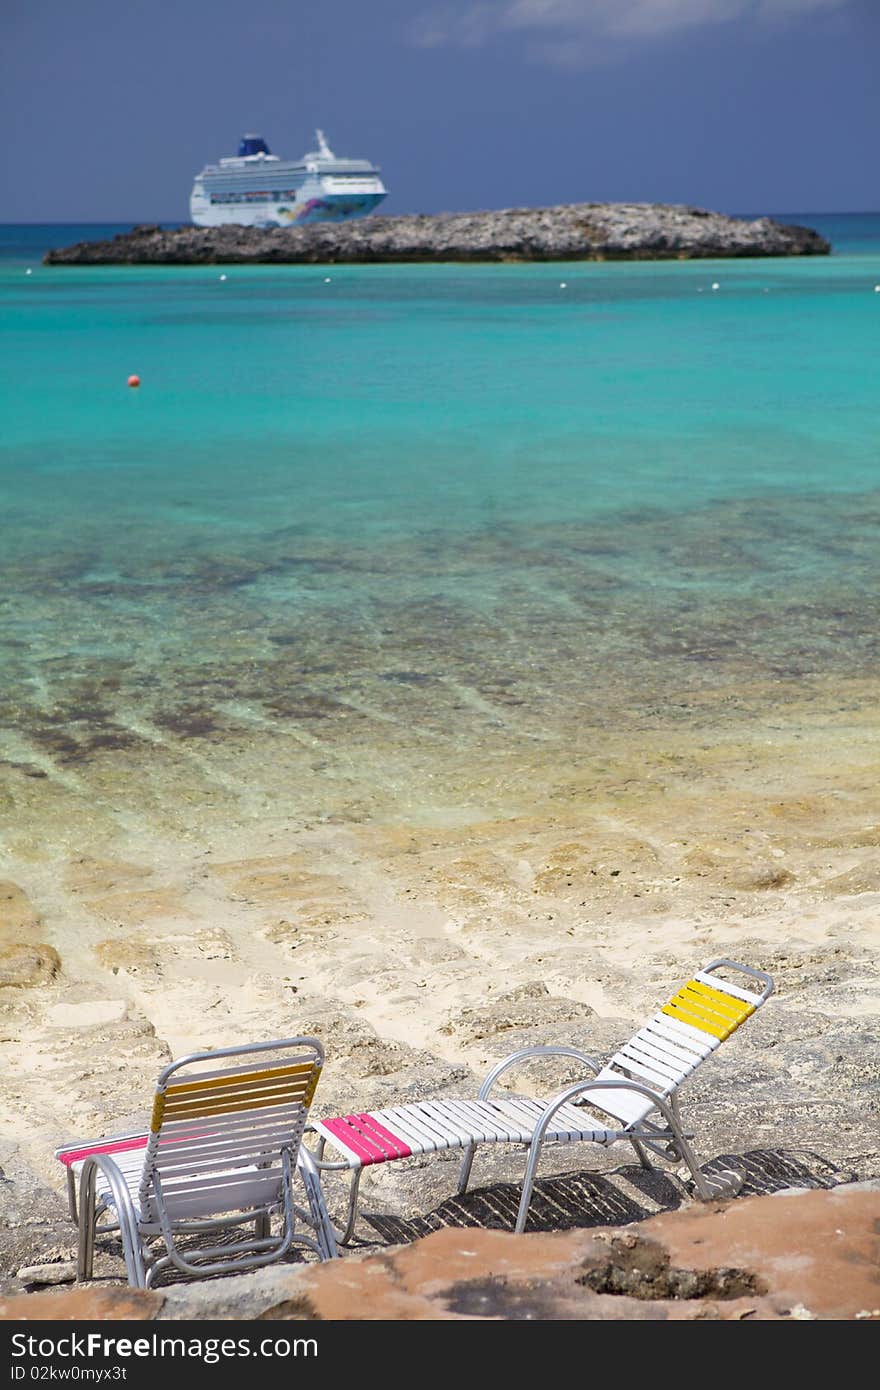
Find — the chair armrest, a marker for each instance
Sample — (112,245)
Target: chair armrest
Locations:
(527,1052)
(570,1092)
(118,1186)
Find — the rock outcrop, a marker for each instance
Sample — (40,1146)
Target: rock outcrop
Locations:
(580,232)
(790,1257)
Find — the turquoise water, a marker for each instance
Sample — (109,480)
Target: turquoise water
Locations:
(446,503)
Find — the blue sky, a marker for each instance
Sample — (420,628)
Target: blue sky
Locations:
(109,108)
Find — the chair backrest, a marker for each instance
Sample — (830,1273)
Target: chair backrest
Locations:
(217,1131)
(671,1045)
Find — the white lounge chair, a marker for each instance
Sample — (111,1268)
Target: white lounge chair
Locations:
(613,1103)
(223,1150)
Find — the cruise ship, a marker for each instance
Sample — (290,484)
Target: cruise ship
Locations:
(256,188)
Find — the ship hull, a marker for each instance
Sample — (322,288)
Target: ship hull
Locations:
(316,206)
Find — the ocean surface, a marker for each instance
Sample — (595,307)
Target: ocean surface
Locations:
(394,541)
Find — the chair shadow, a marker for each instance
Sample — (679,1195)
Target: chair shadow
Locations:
(565,1201)
(628,1194)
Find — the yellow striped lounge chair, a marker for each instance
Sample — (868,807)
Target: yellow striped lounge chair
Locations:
(223,1152)
(633,1098)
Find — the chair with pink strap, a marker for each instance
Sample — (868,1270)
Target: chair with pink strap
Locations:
(223,1150)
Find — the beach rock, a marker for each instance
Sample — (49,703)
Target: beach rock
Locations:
(91,1013)
(864,878)
(530,1004)
(18,917)
(796,1256)
(23,967)
(577,232)
(57,1272)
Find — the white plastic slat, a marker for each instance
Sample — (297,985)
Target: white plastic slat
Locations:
(434,1123)
(514,1117)
(727,988)
(520,1114)
(212,1161)
(699,1044)
(566,1125)
(484,1123)
(652,1058)
(456,1118)
(181,1128)
(687,1030)
(130,1164)
(267,1123)
(642,1073)
(685,1054)
(488,1123)
(229,1184)
(414,1137)
(202,1204)
(408,1125)
(211,1202)
(674,1049)
(628,1106)
(173,1150)
(675,1071)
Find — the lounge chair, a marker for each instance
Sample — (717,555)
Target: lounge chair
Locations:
(612,1103)
(223,1150)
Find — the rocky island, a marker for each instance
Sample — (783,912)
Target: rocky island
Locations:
(579,232)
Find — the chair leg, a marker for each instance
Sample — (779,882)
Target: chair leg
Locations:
(464,1172)
(320,1218)
(705,1189)
(345,1235)
(88,1216)
(535,1148)
(85,1261)
(71,1192)
(642,1153)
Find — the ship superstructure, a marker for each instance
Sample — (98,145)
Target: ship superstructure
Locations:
(256,188)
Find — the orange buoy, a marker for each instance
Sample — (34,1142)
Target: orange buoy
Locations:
(134,381)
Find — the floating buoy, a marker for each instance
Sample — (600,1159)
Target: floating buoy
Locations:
(222,277)
(326,279)
(876,287)
(134,380)
(563,285)
(716,286)
(29,271)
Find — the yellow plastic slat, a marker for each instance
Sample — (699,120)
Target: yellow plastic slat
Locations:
(724,1003)
(701,1021)
(310,1089)
(241,1078)
(209,1105)
(709,1009)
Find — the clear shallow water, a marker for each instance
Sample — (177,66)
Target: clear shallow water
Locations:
(406,508)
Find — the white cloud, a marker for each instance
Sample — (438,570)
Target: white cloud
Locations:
(566,27)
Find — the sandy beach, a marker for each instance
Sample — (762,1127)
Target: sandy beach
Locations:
(423,944)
